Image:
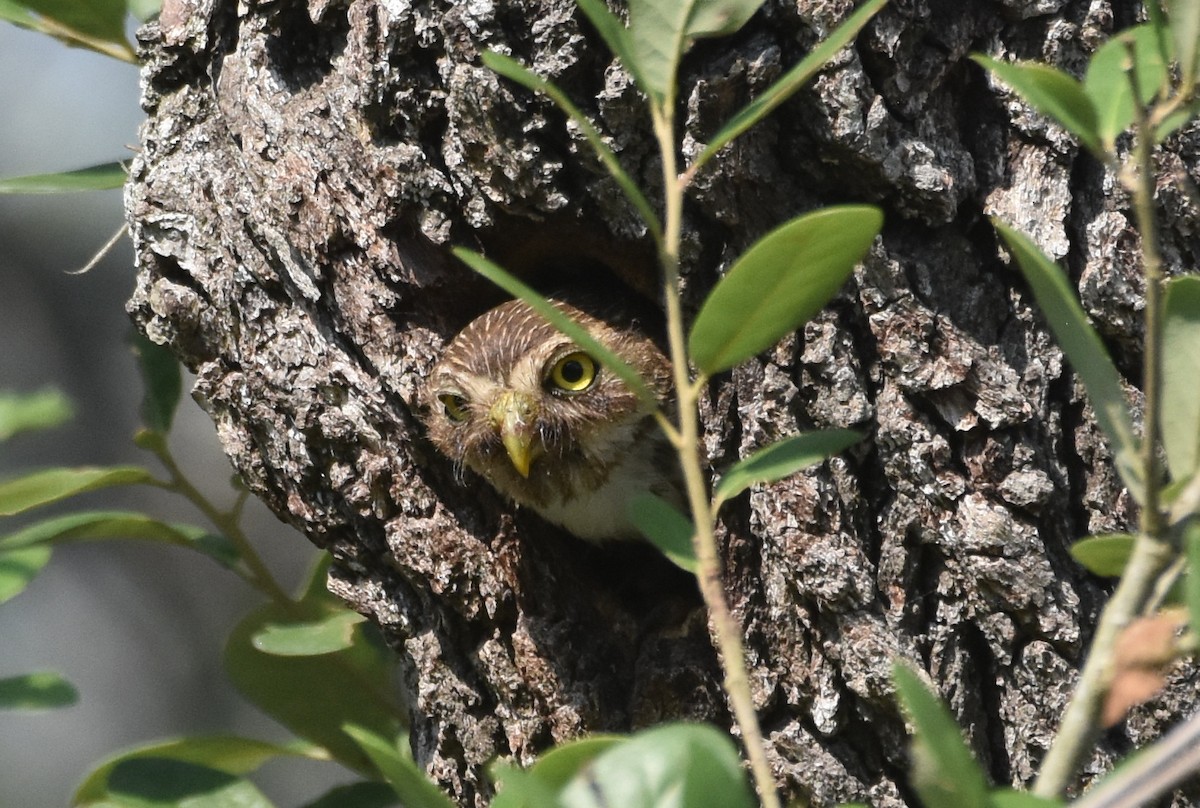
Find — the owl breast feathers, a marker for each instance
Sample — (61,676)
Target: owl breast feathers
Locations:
(519,403)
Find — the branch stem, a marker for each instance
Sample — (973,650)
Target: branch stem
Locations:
(725,627)
(1152,552)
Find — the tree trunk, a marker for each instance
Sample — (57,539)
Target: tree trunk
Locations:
(305,169)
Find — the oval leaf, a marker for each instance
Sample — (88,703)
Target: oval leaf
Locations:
(36,691)
(51,485)
(1053,93)
(675,764)
(416,790)
(314,695)
(559,765)
(166,783)
(782,459)
(309,638)
(122,525)
(1181,369)
(96,178)
(100,20)
(665,528)
(944,772)
(163,383)
(1108,86)
(1084,349)
(32,411)
(781,282)
(19,567)
(230,754)
(1104,555)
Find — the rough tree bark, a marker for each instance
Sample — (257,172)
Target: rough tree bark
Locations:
(304,169)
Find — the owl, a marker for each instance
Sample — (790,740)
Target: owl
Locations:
(543,421)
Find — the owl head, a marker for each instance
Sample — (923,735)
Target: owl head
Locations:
(518,402)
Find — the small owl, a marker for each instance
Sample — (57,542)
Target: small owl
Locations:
(545,423)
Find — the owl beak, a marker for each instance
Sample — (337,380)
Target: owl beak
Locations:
(514,415)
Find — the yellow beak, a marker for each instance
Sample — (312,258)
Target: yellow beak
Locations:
(515,415)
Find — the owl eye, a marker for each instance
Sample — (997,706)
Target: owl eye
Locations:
(454,405)
(573,373)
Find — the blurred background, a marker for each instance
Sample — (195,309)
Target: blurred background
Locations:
(137,628)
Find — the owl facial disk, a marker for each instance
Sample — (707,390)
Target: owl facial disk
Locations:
(515,416)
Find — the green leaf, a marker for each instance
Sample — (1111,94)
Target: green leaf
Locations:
(51,485)
(36,691)
(163,383)
(944,772)
(96,178)
(166,783)
(783,459)
(1009,798)
(27,412)
(416,790)
(19,567)
(1083,348)
(1104,555)
(1150,72)
(230,754)
(518,788)
(515,71)
(122,525)
(665,528)
(780,283)
(17,14)
(102,20)
(790,82)
(673,764)
(616,36)
(562,763)
(1181,373)
(357,795)
(314,695)
(1185,26)
(494,273)
(330,633)
(144,10)
(1191,545)
(660,31)
(1051,92)
(1108,86)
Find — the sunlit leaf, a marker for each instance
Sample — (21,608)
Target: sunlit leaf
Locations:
(1051,92)
(28,412)
(36,691)
(97,178)
(416,790)
(615,35)
(162,382)
(1008,798)
(780,283)
(230,754)
(944,772)
(560,764)
(789,82)
(327,634)
(19,567)
(1181,371)
(144,10)
(1105,556)
(783,459)
(518,788)
(1150,58)
(1083,348)
(665,528)
(1185,26)
(51,485)
(315,695)
(166,783)
(509,283)
(673,764)
(1191,546)
(16,13)
(1108,85)
(122,526)
(514,70)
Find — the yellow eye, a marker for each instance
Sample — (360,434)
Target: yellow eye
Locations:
(574,372)
(454,405)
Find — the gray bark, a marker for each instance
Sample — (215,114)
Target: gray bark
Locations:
(304,170)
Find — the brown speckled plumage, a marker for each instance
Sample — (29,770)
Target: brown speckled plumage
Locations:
(591,449)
